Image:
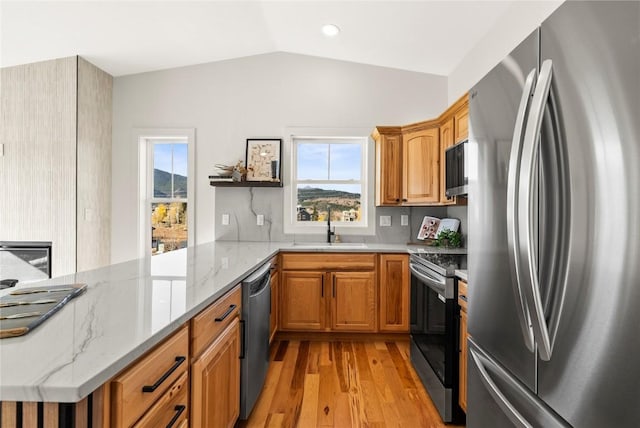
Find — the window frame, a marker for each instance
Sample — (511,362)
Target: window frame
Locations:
(291,226)
(146,138)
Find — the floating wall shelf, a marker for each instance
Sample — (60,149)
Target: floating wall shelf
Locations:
(245,183)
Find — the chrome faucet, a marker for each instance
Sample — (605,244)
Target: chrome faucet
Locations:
(329,232)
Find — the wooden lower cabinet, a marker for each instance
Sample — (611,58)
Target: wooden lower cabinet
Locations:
(353,301)
(171,409)
(215,381)
(394,285)
(328,300)
(302,305)
(140,387)
(462,364)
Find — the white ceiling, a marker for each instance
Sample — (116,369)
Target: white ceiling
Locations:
(126,37)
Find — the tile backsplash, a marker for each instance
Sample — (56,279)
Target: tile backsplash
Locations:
(243,205)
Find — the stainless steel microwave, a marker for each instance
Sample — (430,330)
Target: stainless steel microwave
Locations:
(456,172)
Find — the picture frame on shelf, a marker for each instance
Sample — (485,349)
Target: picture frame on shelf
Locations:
(263,159)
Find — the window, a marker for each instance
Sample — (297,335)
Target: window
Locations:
(329,177)
(166,218)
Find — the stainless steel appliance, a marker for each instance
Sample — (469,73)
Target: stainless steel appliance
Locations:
(25,261)
(554,215)
(434,328)
(457,170)
(256,308)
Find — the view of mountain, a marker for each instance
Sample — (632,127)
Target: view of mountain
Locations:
(162,184)
(321,199)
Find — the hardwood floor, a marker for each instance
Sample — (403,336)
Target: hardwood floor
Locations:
(342,384)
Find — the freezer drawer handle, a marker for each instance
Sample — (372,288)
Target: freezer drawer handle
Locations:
(173,368)
(512,202)
(510,411)
(526,207)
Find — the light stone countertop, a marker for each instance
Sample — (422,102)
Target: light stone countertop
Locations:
(130,307)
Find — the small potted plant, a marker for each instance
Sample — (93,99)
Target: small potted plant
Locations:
(448,239)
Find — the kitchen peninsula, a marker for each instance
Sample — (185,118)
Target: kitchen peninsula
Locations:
(128,309)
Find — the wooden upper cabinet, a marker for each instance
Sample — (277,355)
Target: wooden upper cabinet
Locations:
(461,123)
(388,165)
(446,141)
(421,167)
(410,160)
(394,292)
(353,301)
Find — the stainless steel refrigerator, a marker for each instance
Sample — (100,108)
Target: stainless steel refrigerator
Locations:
(554,226)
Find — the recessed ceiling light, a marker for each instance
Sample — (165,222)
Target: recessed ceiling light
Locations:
(330,30)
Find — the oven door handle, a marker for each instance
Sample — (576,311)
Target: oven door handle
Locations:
(435,283)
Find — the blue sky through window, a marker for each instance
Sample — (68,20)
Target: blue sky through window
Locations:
(162,158)
(338,161)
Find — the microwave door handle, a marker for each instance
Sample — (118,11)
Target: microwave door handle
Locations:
(512,218)
(526,214)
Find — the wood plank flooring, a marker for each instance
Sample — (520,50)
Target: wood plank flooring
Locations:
(342,384)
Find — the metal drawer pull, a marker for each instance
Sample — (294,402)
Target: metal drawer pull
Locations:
(179,409)
(227,313)
(151,388)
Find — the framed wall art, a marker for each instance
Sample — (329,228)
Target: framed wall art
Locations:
(263,159)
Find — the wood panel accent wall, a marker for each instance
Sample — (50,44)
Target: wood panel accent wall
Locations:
(87,412)
(38,169)
(55,124)
(95,88)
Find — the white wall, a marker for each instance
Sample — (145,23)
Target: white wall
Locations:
(512,28)
(251,97)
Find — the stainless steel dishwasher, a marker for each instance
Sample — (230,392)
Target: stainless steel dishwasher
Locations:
(256,308)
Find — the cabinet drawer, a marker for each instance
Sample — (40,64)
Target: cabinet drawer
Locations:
(324,261)
(208,324)
(171,410)
(462,292)
(154,373)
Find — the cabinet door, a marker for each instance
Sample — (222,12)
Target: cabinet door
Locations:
(421,162)
(273,316)
(461,119)
(462,398)
(353,301)
(302,304)
(446,141)
(389,170)
(215,381)
(394,292)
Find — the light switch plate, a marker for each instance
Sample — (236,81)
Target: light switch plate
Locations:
(404,220)
(260,220)
(225,219)
(385,220)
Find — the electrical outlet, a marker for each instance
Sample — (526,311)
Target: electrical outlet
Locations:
(225,219)
(404,220)
(385,220)
(260,220)
(225,263)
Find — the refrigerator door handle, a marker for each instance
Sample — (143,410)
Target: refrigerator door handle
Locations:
(509,410)
(512,203)
(525,210)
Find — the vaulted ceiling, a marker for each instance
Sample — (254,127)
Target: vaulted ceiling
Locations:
(125,37)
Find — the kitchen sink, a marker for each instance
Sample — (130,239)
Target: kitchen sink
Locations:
(329,245)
